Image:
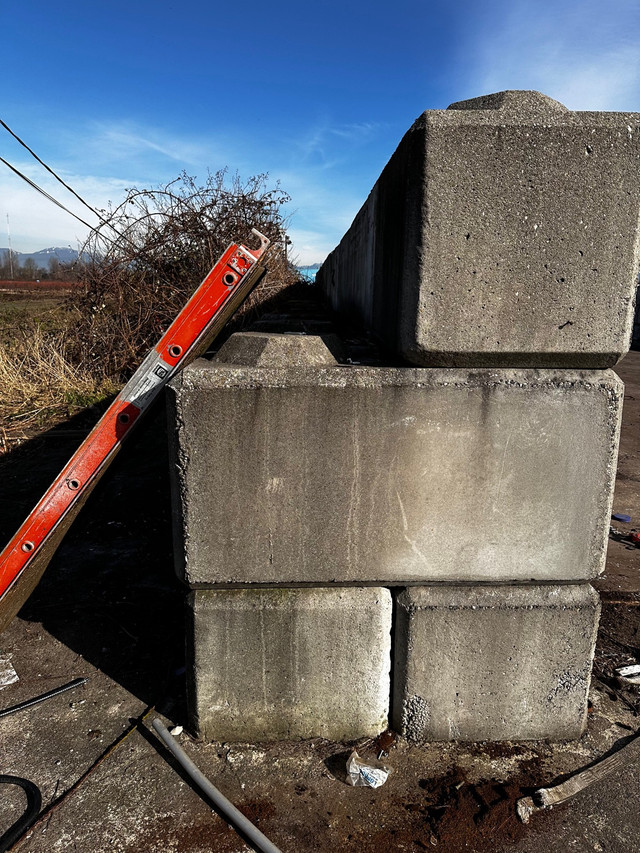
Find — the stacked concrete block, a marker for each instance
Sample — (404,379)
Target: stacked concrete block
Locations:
(503,232)
(285,661)
(307,473)
(346,474)
(494,662)
(290,663)
(498,252)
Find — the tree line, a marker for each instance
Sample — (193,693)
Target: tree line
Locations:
(12,270)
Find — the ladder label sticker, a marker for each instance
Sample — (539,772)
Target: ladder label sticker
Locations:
(152,376)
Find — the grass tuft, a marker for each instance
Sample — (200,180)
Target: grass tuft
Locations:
(39,384)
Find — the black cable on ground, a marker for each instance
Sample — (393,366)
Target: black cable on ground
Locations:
(34,803)
(43,697)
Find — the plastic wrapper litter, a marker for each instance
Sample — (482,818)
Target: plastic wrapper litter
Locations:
(370,773)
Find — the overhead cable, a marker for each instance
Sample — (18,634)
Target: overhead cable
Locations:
(101,219)
(45,193)
(50,170)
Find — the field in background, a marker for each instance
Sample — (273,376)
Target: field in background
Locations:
(37,286)
(33,301)
(39,384)
(56,355)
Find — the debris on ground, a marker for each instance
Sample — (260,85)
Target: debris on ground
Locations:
(624,536)
(547,797)
(384,742)
(463,816)
(629,674)
(8,675)
(370,773)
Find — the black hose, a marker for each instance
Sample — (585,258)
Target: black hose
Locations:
(222,804)
(43,697)
(34,803)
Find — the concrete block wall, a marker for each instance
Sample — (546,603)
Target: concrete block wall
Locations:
(289,479)
(476,488)
(505,232)
(512,661)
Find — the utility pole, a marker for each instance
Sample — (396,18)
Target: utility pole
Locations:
(10,249)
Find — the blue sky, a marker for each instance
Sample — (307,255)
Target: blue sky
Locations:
(114,95)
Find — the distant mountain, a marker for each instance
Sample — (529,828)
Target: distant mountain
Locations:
(42,258)
(66,255)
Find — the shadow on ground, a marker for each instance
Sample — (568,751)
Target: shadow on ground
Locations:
(110,593)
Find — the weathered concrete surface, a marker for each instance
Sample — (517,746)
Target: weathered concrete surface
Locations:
(97,594)
(391,476)
(475,663)
(504,231)
(286,663)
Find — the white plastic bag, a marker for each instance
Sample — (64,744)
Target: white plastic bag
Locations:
(370,774)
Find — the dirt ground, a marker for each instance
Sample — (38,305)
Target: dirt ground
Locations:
(110,608)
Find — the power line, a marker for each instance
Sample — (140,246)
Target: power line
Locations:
(50,170)
(101,219)
(45,193)
(55,201)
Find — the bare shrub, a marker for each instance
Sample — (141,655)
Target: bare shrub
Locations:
(151,252)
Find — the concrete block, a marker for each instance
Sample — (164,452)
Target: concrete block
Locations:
(495,663)
(265,349)
(504,231)
(287,663)
(392,476)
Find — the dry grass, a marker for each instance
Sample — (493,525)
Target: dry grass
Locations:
(59,356)
(39,385)
(44,382)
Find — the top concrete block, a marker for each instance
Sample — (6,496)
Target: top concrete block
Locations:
(504,231)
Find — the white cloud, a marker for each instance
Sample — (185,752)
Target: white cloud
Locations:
(606,82)
(309,247)
(316,167)
(583,54)
(126,142)
(322,208)
(35,222)
(320,214)
(355,132)
(326,183)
